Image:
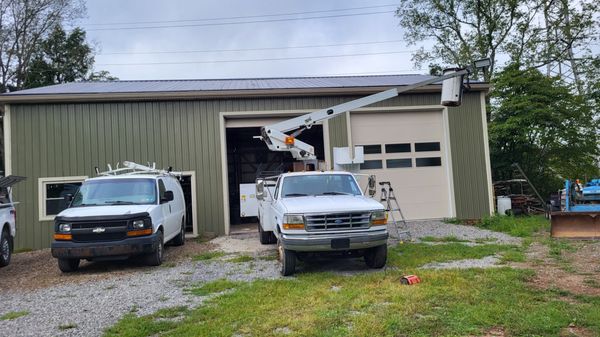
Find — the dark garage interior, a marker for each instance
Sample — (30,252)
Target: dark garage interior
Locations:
(249,158)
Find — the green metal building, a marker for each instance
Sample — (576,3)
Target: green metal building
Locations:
(436,157)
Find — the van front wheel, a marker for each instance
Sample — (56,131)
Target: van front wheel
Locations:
(155,258)
(68,265)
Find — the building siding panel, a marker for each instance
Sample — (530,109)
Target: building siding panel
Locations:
(54,140)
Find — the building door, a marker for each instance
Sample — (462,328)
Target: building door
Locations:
(409,150)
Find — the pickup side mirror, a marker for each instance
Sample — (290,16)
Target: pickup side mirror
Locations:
(68,198)
(168,196)
(372,182)
(260,189)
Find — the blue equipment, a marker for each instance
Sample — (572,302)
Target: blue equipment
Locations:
(580,214)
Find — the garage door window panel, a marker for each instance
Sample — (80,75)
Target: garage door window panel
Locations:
(427,147)
(398,163)
(371,165)
(429,161)
(397,148)
(371,149)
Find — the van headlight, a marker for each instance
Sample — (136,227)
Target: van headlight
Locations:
(379,218)
(138,224)
(64,227)
(293,221)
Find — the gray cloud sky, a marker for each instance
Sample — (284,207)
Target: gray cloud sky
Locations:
(334,30)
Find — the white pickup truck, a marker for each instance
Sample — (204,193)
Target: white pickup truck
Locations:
(308,212)
(8,218)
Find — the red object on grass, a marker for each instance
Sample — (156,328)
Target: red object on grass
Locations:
(410,279)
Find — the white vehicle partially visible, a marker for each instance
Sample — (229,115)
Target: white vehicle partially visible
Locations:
(8,219)
(118,217)
(311,212)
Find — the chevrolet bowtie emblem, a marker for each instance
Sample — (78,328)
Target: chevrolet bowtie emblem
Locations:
(99,230)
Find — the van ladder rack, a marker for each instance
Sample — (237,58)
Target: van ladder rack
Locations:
(132,168)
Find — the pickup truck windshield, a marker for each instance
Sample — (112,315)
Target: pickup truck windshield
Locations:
(319,184)
(116,192)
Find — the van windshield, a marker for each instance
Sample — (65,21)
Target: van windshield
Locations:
(319,184)
(116,192)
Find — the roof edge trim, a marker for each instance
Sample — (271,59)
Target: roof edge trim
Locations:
(215,94)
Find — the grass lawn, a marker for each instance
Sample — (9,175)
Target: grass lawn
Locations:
(525,226)
(447,303)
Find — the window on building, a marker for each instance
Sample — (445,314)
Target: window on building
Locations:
(398,163)
(371,165)
(397,148)
(425,147)
(52,193)
(430,161)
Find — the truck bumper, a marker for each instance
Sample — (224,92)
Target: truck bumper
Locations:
(333,242)
(100,250)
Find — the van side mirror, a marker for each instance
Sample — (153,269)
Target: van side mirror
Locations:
(260,189)
(168,196)
(372,182)
(68,198)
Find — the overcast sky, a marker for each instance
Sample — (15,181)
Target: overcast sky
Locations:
(353,32)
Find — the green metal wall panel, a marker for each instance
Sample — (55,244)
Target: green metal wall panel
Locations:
(57,140)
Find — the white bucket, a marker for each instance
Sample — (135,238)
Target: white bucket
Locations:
(504,204)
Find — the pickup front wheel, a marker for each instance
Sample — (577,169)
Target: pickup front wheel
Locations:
(287,260)
(266,237)
(5,249)
(376,257)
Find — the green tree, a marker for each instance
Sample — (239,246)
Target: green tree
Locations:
(24,24)
(63,57)
(60,58)
(539,123)
(533,32)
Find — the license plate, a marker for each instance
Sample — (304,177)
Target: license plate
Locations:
(340,243)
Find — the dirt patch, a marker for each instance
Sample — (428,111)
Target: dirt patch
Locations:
(38,269)
(575,331)
(574,272)
(242,243)
(493,332)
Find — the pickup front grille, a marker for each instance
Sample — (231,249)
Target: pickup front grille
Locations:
(337,221)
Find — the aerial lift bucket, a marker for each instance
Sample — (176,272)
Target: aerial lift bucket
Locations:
(579,225)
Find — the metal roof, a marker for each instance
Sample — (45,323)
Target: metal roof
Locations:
(110,87)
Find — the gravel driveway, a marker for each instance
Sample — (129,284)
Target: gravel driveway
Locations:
(89,308)
(99,296)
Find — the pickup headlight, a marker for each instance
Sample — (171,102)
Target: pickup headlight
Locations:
(64,228)
(293,221)
(379,218)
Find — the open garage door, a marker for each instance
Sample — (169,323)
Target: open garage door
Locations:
(408,149)
(248,158)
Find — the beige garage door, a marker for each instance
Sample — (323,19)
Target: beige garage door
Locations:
(408,149)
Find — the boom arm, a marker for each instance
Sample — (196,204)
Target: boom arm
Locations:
(277,140)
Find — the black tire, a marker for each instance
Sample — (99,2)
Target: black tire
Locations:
(155,258)
(179,240)
(5,249)
(68,265)
(287,260)
(266,237)
(376,257)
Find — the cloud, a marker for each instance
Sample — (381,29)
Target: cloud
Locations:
(334,30)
